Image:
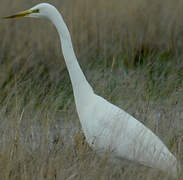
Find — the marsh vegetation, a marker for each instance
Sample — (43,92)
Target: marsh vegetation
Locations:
(132,54)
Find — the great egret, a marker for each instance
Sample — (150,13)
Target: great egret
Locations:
(106,126)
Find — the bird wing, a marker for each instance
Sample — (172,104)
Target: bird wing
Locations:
(112,128)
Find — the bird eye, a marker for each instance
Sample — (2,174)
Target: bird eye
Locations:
(36,11)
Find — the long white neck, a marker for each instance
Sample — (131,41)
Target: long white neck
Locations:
(81,87)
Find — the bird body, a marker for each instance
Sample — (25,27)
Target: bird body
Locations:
(106,126)
(112,129)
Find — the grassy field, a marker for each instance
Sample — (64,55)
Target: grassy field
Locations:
(131,53)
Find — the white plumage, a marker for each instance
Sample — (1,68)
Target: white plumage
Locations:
(106,126)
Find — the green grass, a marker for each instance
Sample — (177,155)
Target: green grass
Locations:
(39,120)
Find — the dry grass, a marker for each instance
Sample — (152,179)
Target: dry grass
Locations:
(132,54)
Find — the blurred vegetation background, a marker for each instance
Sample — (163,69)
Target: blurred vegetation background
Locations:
(132,54)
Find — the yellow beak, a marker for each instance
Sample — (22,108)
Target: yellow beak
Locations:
(20,14)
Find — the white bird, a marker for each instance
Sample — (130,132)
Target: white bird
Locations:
(106,126)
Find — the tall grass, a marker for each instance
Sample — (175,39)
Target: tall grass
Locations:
(131,53)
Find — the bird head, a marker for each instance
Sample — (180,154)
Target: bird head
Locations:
(39,11)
